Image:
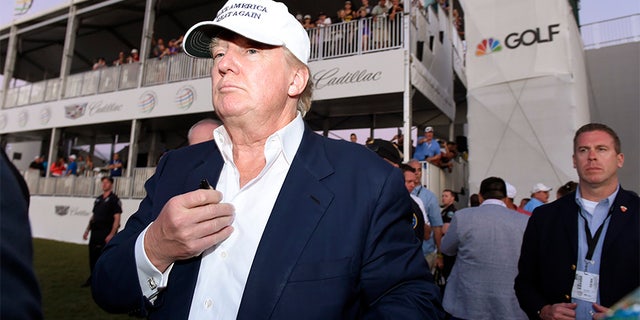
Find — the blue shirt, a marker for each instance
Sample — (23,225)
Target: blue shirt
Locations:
(432,207)
(72,168)
(427,150)
(116,172)
(595,220)
(532,204)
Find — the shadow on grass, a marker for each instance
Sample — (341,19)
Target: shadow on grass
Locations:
(61,269)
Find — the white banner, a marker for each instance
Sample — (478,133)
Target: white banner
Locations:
(66,218)
(516,39)
(362,75)
(527,92)
(149,102)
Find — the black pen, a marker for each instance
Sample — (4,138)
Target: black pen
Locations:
(204,184)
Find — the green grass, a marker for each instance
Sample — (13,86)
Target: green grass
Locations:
(61,268)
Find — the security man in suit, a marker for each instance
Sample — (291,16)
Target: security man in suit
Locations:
(581,253)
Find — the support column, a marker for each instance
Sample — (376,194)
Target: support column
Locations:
(153,146)
(372,127)
(407,110)
(53,149)
(9,63)
(451,131)
(326,124)
(133,145)
(69,47)
(147,36)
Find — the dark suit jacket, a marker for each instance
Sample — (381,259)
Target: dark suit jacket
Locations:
(550,252)
(338,243)
(19,290)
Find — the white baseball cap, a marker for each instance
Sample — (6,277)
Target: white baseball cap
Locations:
(540,187)
(264,21)
(511,190)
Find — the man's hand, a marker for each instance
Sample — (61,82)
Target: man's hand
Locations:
(559,311)
(108,238)
(187,225)
(85,236)
(439,261)
(601,312)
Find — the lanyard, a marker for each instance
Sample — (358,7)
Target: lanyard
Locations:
(593,241)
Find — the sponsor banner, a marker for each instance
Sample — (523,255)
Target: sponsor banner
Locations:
(516,39)
(147,102)
(362,75)
(66,218)
(523,131)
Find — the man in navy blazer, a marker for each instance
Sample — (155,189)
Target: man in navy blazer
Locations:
(561,273)
(298,226)
(19,290)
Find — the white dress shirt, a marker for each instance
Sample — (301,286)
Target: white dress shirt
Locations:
(225,267)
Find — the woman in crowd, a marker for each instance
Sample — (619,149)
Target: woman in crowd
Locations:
(58,168)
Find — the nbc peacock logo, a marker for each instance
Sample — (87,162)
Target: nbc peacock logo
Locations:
(487,46)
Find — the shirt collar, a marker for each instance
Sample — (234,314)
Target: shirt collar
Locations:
(608,201)
(493,201)
(289,138)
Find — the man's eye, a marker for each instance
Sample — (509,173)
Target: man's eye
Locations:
(252,51)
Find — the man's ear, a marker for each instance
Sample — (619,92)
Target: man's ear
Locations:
(299,82)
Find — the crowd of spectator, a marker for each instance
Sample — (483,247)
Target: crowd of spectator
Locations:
(381,13)
(158,50)
(77,165)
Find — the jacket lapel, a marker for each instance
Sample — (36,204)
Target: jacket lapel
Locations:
(299,207)
(208,167)
(177,299)
(570,223)
(619,220)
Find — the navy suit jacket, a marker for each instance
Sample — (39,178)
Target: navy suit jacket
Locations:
(338,243)
(549,253)
(19,289)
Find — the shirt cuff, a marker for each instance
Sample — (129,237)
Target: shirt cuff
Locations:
(150,278)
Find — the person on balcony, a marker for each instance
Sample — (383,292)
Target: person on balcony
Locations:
(120,60)
(58,168)
(307,23)
(380,28)
(72,166)
(115,166)
(428,148)
(100,63)
(134,57)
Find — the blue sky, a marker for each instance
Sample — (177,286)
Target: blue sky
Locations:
(598,10)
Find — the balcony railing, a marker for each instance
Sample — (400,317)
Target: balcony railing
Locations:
(336,40)
(356,37)
(611,32)
(88,186)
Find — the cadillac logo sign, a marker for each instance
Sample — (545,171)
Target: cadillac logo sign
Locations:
(75,111)
(62,210)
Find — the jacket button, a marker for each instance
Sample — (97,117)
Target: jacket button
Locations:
(567,297)
(573,267)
